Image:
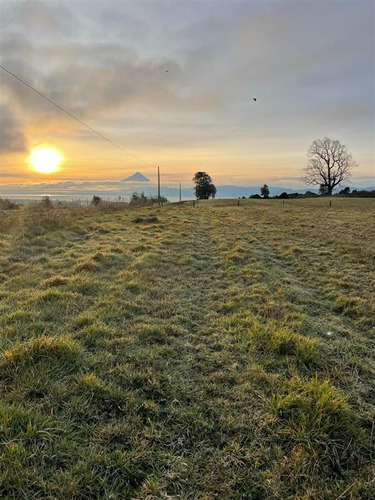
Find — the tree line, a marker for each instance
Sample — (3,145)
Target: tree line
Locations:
(346,192)
(329,165)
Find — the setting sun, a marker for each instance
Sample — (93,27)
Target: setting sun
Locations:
(45,160)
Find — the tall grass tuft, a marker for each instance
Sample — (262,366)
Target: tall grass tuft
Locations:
(29,354)
(282,341)
(315,417)
(40,218)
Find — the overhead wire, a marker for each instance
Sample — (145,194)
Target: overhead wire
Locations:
(75,118)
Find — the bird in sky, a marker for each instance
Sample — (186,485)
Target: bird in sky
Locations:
(254,99)
(166,71)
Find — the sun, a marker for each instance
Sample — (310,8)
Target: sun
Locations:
(45,160)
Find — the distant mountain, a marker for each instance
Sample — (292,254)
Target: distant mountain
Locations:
(137,177)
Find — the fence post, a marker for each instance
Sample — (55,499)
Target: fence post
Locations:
(330,203)
(193,203)
(283,202)
(238,202)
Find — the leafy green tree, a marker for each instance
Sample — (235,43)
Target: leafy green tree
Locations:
(204,188)
(264,191)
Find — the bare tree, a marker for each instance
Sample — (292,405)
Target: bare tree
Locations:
(329,163)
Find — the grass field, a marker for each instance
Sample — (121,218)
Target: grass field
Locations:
(215,352)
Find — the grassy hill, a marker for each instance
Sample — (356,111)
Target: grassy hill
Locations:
(190,353)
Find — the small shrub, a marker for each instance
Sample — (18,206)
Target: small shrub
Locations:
(46,202)
(140,199)
(7,204)
(96,201)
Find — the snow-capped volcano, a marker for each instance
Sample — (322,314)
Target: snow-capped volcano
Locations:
(137,177)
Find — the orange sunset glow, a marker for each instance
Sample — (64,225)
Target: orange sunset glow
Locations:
(239,91)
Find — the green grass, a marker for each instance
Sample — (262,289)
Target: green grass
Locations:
(202,352)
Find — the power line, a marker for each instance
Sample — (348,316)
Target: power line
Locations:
(75,118)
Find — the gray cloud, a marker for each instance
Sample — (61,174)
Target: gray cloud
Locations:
(12,138)
(74,188)
(108,66)
(13,176)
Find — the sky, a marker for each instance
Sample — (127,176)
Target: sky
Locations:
(173,83)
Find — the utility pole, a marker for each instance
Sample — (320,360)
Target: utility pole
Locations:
(180,194)
(159,186)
